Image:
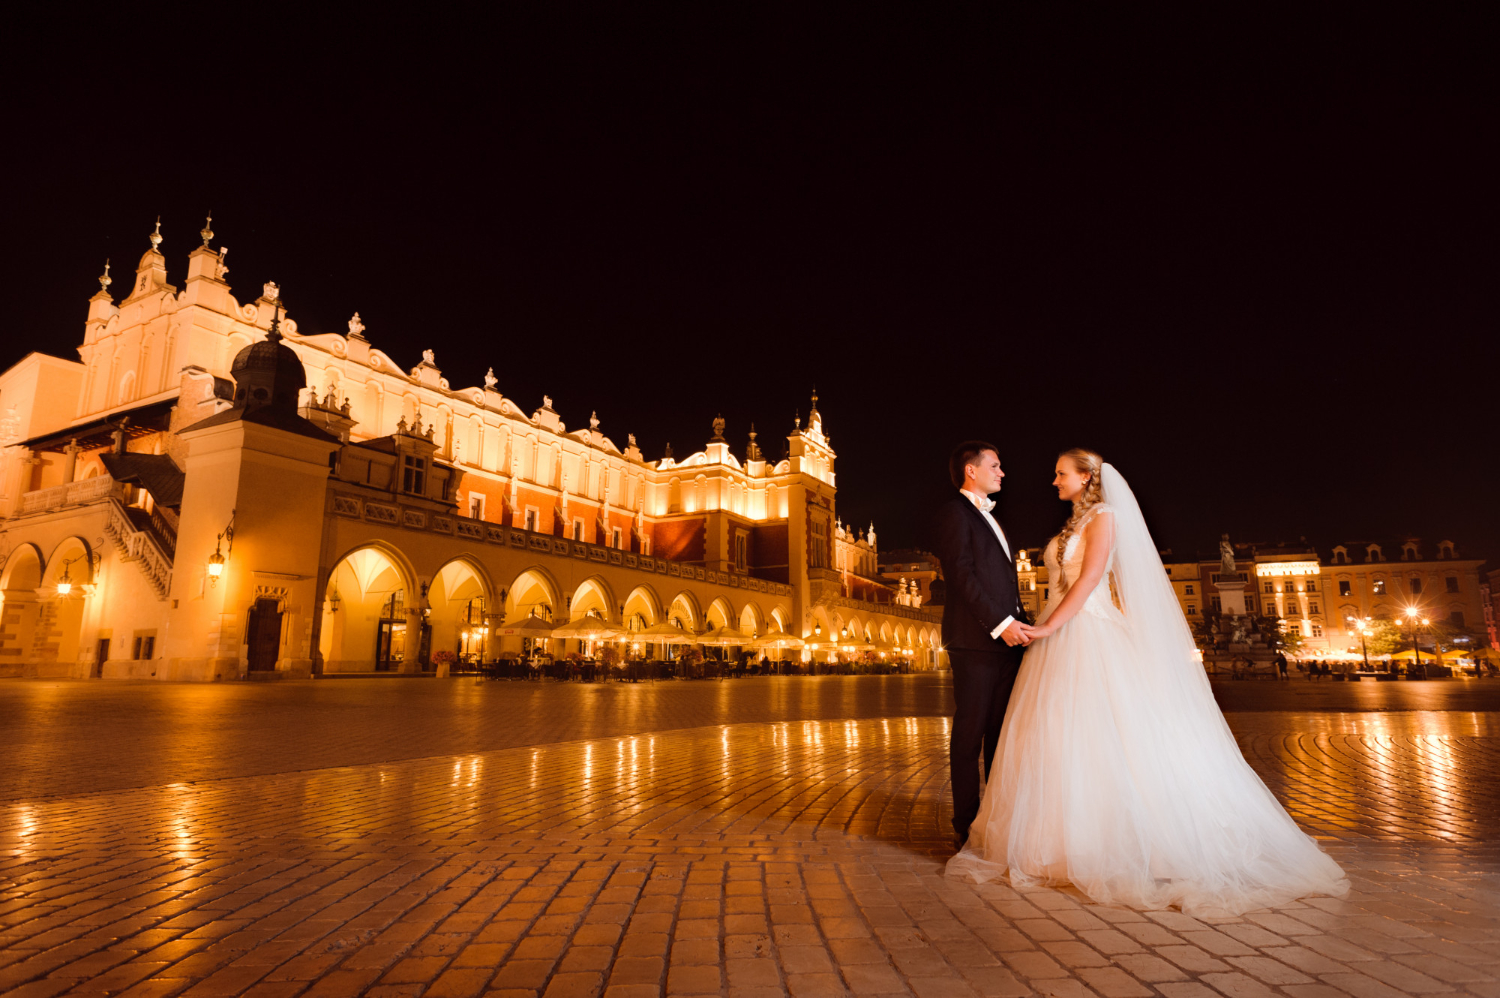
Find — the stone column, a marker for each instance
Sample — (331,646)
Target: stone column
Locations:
(70,462)
(493,621)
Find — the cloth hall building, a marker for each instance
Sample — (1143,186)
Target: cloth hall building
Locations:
(205,494)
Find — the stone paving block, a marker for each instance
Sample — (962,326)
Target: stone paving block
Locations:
(519,973)
(1071,953)
(1034,966)
(460,982)
(575,985)
(695,980)
(1360,986)
(1112,982)
(940,987)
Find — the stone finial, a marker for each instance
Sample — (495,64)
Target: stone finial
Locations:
(630,437)
(401,425)
(668,454)
(356,327)
(797,422)
(718,428)
(207,233)
(155,236)
(752,451)
(490,381)
(223,252)
(546,401)
(428,357)
(271,291)
(104,279)
(593,420)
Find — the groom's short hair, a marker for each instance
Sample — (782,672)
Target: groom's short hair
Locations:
(964,455)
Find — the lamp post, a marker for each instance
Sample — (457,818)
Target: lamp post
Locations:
(1411,617)
(1362,625)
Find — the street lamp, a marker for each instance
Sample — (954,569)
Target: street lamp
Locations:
(1362,625)
(1411,617)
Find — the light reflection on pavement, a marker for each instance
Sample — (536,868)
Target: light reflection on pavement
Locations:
(800,855)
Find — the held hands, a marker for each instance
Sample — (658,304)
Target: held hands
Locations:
(1024,634)
(1016,634)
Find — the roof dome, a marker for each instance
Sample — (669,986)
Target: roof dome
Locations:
(268,373)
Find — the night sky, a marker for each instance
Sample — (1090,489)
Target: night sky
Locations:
(1253,262)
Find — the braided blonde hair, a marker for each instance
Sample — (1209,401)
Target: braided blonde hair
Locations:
(1088,463)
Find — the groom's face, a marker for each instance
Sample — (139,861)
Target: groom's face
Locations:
(986,473)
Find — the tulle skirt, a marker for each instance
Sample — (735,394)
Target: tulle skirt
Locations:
(1135,796)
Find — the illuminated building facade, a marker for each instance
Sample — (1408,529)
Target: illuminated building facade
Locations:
(366,516)
(1317,594)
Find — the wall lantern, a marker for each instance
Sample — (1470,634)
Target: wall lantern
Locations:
(223,547)
(65,584)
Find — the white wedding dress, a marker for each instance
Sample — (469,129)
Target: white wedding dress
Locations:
(1116,771)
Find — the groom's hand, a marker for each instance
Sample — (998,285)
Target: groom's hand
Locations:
(1015,634)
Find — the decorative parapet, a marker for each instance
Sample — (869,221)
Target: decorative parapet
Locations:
(73,494)
(928,614)
(424,521)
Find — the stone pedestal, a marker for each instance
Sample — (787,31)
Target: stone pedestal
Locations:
(1231,597)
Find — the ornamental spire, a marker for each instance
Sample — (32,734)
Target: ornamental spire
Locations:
(207,232)
(104,279)
(155,236)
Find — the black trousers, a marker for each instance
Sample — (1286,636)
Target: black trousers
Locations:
(982,681)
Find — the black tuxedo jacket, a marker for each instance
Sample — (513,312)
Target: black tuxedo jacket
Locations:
(981,585)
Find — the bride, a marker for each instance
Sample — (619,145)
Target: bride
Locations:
(1116,771)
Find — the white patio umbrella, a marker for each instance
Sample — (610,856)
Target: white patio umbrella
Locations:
(722,637)
(779,640)
(665,633)
(526,627)
(586,629)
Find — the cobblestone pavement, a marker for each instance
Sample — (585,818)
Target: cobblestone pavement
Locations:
(750,859)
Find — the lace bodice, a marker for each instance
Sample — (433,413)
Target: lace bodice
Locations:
(1070,565)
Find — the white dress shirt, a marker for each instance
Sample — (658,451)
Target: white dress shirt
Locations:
(984,505)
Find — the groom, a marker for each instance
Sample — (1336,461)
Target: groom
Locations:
(984,624)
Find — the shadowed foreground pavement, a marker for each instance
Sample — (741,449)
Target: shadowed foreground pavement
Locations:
(751,856)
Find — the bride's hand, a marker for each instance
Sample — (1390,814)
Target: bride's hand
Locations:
(1038,631)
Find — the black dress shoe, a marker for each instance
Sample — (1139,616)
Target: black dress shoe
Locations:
(959,838)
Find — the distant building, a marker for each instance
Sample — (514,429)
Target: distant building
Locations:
(918,568)
(1317,592)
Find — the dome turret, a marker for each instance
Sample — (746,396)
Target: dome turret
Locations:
(268,373)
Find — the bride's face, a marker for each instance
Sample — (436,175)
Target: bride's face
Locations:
(1069,481)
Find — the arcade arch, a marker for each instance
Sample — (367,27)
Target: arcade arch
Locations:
(684,609)
(458,599)
(592,595)
(18,585)
(752,621)
(642,609)
(365,616)
(67,572)
(721,614)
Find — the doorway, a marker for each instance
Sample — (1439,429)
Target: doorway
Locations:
(265,634)
(390,635)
